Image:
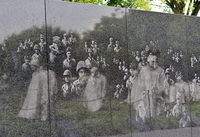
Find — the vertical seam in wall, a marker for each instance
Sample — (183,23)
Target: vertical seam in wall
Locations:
(188,65)
(47,65)
(128,62)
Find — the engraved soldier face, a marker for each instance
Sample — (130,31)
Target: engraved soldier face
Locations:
(89,54)
(93,42)
(93,73)
(117,45)
(67,78)
(167,75)
(36,50)
(131,72)
(26,61)
(33,67)
(178,101)
(68,54)
(152,61)
(81,73)
(179,78)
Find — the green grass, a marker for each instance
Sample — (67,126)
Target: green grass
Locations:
(86,123)
(12,126)
(195,108)
(102,122)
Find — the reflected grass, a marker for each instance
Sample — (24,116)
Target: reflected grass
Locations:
(100,123)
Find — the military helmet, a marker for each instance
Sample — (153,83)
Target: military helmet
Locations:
(56,39)
(81,64)
(67,73)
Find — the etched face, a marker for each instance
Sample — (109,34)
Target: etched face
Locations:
(167,76)
(93,73)
(152,62)
(114,60)
(67,78)
(36,50)
(93,42)
(143,58)
(131,72)
(89,54)
(26,61)
(68,54)
(33,67)
(117,45)
(178,78)
(81,73)
(178,101)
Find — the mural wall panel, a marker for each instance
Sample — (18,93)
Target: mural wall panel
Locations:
(71,69)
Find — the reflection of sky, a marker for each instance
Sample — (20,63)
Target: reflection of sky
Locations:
(17,15)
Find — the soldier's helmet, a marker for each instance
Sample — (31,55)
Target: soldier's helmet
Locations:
(67,73)
(65,35)
(56,39)
(80,65)
(36,47)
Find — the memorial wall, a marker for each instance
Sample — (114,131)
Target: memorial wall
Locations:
(70,70)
